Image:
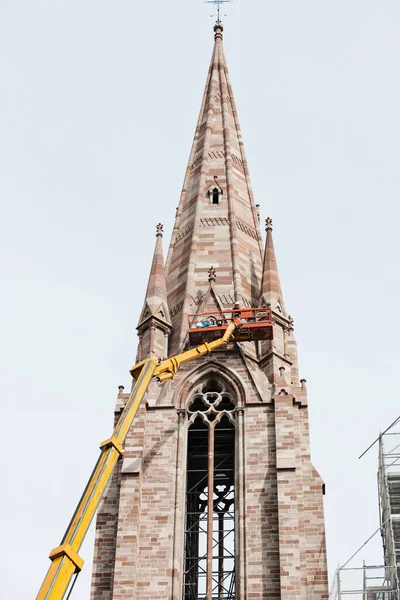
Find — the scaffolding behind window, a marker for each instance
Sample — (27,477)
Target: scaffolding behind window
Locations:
(209,563)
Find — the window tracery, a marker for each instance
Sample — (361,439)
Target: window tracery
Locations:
(209,562)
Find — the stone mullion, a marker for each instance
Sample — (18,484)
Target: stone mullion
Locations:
(221,554)
(240,517)
(210,510)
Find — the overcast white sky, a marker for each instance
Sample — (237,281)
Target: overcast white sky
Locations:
(98,104)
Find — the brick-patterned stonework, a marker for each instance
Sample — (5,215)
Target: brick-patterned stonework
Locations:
(279,521)
(227,234)
(280,537)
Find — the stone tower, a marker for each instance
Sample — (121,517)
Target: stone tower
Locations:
(234,422)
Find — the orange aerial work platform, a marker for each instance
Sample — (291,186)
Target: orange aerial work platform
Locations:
(254,323)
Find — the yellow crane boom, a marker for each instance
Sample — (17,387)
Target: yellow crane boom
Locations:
(65,560)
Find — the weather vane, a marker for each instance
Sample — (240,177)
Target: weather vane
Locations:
(218,3)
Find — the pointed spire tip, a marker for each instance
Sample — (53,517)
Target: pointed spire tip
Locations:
(271,290)
(155,302)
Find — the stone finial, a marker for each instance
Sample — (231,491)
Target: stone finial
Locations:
(160,230)
(212,274)
(282,383)
(291,322)
(218,29)
(268,224)
(282,377)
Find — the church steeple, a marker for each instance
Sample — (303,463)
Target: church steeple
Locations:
(199,505)
(155,323)
(216,221)
(271,291)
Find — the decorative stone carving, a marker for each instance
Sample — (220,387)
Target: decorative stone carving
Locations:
(212,274)
(211,400)
(268,224)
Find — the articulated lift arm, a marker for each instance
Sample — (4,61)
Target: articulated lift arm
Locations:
(65,558)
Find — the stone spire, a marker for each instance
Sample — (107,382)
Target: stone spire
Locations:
(215,259)
(155,323)
(271,291)
(216,221)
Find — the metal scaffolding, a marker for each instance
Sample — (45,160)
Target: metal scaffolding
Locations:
(389,497)
(209,560)
(379,582)
(369,582)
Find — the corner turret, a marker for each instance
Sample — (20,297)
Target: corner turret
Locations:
(271,291)
(154,324)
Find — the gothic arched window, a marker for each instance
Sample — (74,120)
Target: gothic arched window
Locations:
(209,561)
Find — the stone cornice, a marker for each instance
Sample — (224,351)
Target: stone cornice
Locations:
(284,322)
(164,325)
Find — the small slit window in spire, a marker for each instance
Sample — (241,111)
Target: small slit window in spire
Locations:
(215,196)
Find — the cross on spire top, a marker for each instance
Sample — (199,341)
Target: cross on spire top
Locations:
(218,3)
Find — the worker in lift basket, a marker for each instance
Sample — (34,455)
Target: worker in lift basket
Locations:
(203,324)
(237,313)
(246,316)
